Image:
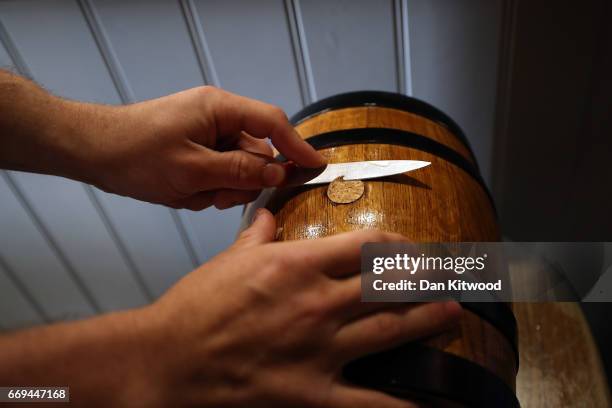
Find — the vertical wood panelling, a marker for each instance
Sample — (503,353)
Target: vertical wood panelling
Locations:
(150,44)
(300,51)
(402,44)
(63,57)
(59,45)
(199,43)
(10,58)
(155,60)
(115,69)
(74,222)
(203,223)
(216,229)
(36,273)
(34,260)
(454,64)
(351,45)
(253,54)
(17,306)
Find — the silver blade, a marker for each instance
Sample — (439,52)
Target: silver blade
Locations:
(366,170)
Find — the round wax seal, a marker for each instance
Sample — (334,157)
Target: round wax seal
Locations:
(342,191)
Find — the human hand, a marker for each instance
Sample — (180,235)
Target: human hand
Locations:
(272,324)
(189,150)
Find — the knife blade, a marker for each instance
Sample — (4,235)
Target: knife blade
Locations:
(362,170)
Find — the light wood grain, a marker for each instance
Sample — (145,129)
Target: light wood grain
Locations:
(559,362)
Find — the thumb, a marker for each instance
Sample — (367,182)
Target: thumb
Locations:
(242,170)
(262,230)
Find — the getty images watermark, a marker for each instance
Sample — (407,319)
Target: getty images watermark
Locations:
(487,271)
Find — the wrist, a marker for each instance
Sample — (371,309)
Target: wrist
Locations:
(76,140)
(147,377)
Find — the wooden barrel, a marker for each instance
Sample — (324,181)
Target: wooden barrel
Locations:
(473,365)
(560,363)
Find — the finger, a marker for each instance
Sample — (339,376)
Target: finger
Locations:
(348,300)
(246,142)
(236,113)
(340,255)
(251,144)
(353,397)
(239,170)
(229,198)
(196,202)
(262,230)
(390,328)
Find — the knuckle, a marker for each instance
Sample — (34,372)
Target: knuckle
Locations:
(312,309)
(191,207)
(222,204)
(240,168)
(227,198)
(281,263)
(278,114)
(195,206)
(208,90)
(272,259)
(271,275)
(218,201)
(245,235)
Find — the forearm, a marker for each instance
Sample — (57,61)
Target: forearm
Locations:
(103,360)
(42,133)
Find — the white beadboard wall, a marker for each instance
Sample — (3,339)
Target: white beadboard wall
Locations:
(69,250)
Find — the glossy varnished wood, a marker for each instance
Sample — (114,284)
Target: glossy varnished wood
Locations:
(439,203)
(380,117)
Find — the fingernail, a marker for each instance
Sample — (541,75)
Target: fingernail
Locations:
(321,159)
(273,174)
